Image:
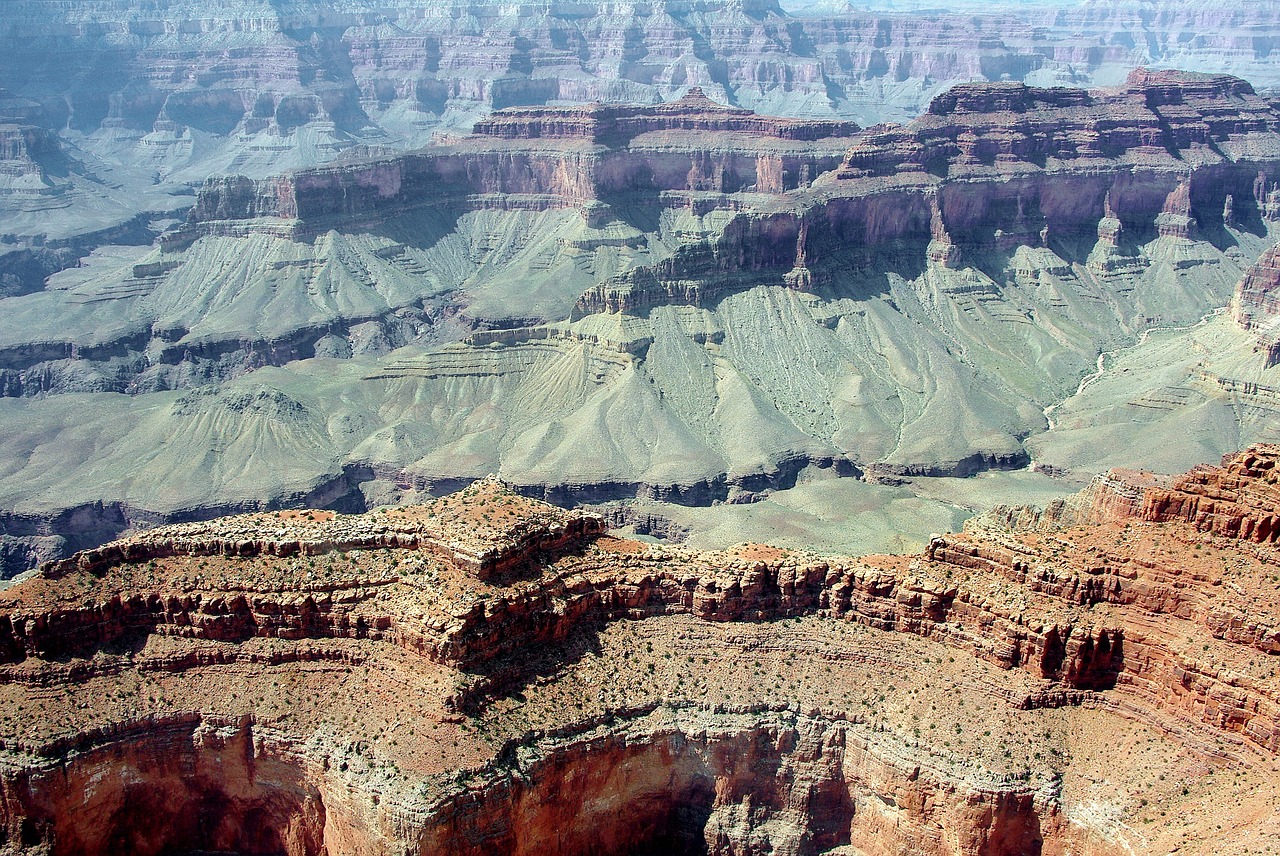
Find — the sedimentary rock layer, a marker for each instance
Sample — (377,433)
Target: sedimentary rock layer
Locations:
(988,167)
(235,68)
(1256,303)
(568,289)
(174,93)
(514,711)
(539,158)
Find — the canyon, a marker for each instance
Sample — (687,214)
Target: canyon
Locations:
(729,427)
(260,255)
(114,113)
(973,698)
(686,303)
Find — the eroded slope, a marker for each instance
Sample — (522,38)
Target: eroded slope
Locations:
(684,301)
(349,684)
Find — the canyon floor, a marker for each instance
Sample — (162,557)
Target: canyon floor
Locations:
(489,673)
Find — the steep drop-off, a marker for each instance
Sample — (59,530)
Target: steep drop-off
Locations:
(311,683)
(202,88)
(686,302)
(120,108)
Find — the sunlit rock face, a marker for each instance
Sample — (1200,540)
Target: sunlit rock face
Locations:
(129,105)
(687,302)
(616,287)
(310,683)
(266,255)
(1257,303)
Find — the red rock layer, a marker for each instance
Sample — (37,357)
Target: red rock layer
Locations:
(491,635)
(1257,302)
(1008,123)
(1158,611)
(990,166)
(996,165)
(694,111)
(542,158)
(456,529)
(1240,499)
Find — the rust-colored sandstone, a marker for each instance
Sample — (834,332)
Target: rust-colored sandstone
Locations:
(1257,303)
(489,674)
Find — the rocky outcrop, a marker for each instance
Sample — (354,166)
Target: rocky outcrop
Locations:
(163,73)
(510,716)
(1237,500)
(459,529)
(991,160)
(31,156)
(663,763)
(1240,499)
(994,166)
(539,158)
(692,112)
(692,778)
(27,151)
(1152,114)
(1256,305)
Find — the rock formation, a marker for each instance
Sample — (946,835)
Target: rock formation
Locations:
(400,68)
(172,95)
(997,166)
(539,158)
(1236,500)
(1173,145)
(989,166)
(753,296)
(1256,305)
(317,683)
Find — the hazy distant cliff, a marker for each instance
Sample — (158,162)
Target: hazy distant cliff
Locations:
(171,78)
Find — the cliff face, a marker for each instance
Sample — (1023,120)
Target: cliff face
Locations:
(289,685)
(988,167)
(662,762)
(996,166)
(1240,499)
(27,150)
(248,66)
(751,295)
(1154,113)
(543,158)
(1256,305)
(692,112)
(153,99)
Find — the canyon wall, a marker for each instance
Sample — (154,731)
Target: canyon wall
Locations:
(1256,305)
(119,110)
(996,166)
(540,158)
(547,728)
(988,167)
(161,72)
(657,269)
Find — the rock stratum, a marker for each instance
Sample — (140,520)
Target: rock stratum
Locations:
(687,302)
(1257,303)
(189,86)
(1095,678)
(124,106)
(259,254)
